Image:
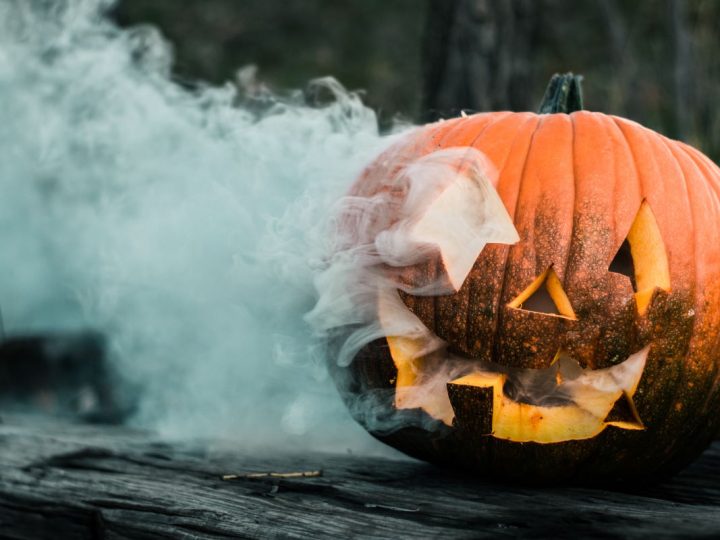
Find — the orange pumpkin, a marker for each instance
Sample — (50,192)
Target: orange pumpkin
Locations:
(617,268)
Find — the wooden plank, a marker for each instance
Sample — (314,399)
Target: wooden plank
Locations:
(61,480)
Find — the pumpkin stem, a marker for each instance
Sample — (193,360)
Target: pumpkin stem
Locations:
(563,94)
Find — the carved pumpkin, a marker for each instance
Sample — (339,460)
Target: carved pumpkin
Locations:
(588,349)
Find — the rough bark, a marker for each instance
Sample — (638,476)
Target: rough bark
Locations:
(477,56)
(623,94)
(682,77)
(75,481)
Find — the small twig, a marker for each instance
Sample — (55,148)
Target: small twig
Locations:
(393,507)
(299,474)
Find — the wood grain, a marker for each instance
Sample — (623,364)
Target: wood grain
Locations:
(60,480)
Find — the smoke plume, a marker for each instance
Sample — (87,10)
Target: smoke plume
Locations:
(184,227)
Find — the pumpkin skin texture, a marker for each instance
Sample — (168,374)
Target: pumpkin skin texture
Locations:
(576,186)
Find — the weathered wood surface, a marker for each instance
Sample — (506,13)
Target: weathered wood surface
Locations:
(78,481)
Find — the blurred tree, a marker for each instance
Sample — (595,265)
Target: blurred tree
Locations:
(704,81)
(654,61)
(371,45)
(477,56)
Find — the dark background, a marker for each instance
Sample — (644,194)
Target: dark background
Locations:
(654,61)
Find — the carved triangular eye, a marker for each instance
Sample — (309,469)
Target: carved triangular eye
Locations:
(642,257)
(623,264)
(545,295)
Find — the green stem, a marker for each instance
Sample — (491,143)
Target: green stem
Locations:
(563,94)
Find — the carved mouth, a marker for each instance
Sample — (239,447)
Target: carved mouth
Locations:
(560,403)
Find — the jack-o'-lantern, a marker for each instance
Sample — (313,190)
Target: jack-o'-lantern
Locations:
(584,348)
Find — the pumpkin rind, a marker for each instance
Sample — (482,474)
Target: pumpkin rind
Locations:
(574,184)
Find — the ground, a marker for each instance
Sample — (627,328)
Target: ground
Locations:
(60,480)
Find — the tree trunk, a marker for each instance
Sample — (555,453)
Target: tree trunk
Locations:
(682,69)
(477,56)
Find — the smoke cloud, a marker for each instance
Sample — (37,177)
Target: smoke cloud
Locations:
(417,224)
(184,227)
